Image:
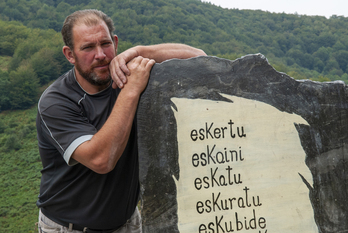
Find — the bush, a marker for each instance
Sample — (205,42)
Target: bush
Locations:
(2,126)
(12,143)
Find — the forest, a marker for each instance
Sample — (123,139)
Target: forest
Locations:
(304,47)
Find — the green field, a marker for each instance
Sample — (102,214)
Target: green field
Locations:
(19,171)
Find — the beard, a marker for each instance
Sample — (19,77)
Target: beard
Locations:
(92,77)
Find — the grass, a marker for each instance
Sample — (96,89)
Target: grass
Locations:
(20,167)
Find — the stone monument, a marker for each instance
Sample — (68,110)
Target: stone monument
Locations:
(235,146)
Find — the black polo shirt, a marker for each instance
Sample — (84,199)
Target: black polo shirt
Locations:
(70,192)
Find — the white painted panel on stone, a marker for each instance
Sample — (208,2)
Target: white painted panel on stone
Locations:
(239,168)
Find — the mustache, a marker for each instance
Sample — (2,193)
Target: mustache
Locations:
(100,63)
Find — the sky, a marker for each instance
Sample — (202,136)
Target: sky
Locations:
(325,8)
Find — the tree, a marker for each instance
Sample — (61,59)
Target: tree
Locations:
(23,87)
(318,65)
(25,49)
(331,64)
(342,59)
(327,39)
(322,53)
(10,35)
(45,65)
(4,94)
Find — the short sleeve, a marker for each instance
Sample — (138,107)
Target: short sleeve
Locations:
(64,127)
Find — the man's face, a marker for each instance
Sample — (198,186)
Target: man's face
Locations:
(93,50)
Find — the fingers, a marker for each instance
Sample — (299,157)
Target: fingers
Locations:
(151,63)
(140,71)
(144,63)
(119,68)
(119,71)
(121,75)
(140,63)
(148,63)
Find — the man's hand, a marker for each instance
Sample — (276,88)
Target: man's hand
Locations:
(160,53)
(139,69)
(118,67)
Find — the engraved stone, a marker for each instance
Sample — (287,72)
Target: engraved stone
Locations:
(235,146)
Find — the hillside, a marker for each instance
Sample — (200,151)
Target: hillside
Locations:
(20,167)
(310,46)
(305,47)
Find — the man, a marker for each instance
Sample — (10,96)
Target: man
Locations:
(87,131)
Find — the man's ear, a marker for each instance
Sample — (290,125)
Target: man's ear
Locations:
(116,43)
(68,53)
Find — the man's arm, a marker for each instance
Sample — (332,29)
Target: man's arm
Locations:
(102,152)
(159,53)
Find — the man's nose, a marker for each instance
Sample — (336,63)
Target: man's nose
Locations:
(99,55)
